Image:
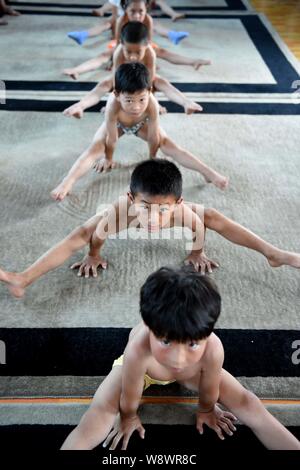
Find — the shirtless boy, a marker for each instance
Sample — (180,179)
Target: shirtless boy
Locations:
(153,203)
(132,109)
(175,342)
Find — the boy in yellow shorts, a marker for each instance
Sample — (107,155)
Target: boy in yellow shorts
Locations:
(175,342)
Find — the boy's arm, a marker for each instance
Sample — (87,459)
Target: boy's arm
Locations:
(209,388)
(119,26)
(148,22)
(150,62)
(153,136)
(134,370)
(118,59)
(113,220)
(193,219)
(210,377)
(111,121)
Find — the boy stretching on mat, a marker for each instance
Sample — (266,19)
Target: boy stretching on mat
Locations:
(134,47)
(167,9)
(134,10)
(131,109)
(175,343)
(153,203)
(127,10)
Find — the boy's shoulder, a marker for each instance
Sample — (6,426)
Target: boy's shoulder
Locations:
(150,52)
(118,53)
(148,20)
(112,106)
(214,351)
(138,346)
(153,107)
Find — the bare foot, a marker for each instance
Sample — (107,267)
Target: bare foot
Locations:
(11,12)
(97,12)
(61,191)
(72,73)
(218,180)
(14,282)
(281,257)
(162,109)
(103,165)
(75,110)
(199,63)
(191,107)
(178,16)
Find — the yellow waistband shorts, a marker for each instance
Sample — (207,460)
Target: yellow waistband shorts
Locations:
(147,379)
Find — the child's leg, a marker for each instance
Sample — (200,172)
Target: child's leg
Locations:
(186,159)
(163,85)
(91,99)
(251,412)
(83,164)
(174,36)
(180,59)
(99,29)
(81,36)
(238,234)
(169,10)
(97,422)
(88,66)
(56,256)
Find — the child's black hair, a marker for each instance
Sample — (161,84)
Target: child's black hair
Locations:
(134,32)
(156,177)
(125,3)
(180,304)
(132,77)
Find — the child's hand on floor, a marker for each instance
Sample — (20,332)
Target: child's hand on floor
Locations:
(200,262)
(75,110)
(123,429)
(218,420)
(88,266)
(103,165)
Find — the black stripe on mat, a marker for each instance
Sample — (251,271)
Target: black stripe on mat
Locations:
(91,351)
(83,13)
(159,439)
(281,69)
(208,107)
(37,85)
(237,5)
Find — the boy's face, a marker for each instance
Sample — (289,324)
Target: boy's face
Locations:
(154,212)
(176,356)
(134,52)
(137,11)
(134,104)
